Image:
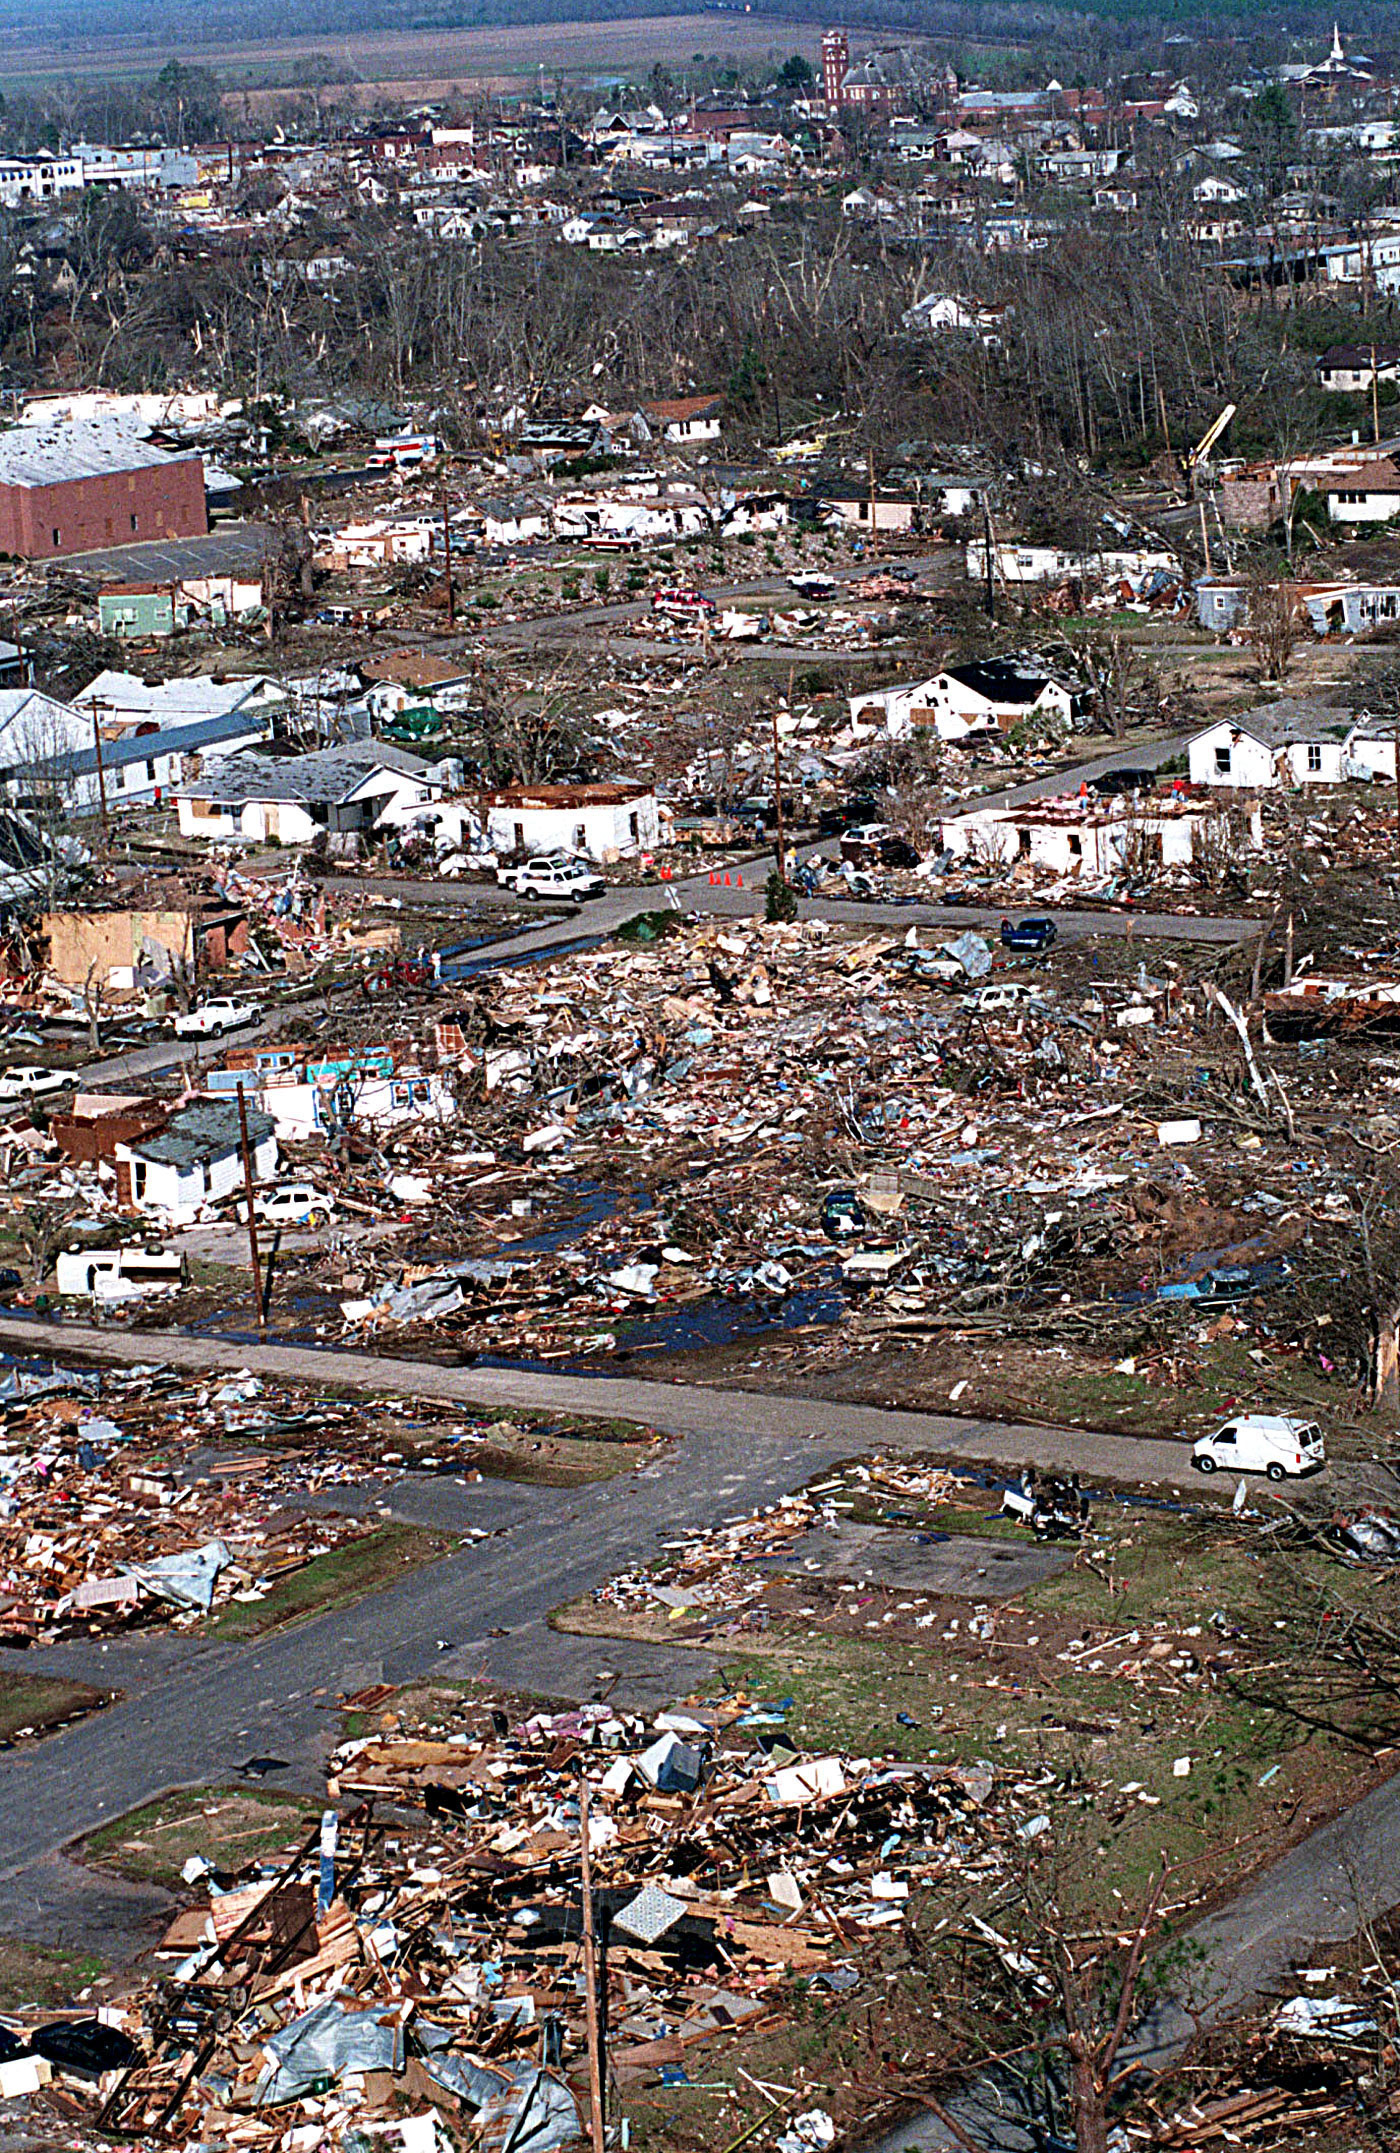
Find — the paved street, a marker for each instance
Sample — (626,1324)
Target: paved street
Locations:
(193,1713)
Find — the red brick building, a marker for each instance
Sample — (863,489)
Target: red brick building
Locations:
(66,488)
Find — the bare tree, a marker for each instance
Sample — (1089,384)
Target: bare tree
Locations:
(1271,622)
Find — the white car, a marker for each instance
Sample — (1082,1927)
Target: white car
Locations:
(1272,1443)
(212,1018)
(550,878)
(28,1080)
(1001,994)
(296,1203)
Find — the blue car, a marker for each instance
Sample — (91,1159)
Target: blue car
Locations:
(1034,935)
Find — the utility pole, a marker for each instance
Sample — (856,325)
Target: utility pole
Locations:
(987,549)
(447,550)
(1205,538)
(778,798)
(98,706)
(1375,399)
(590,1976)
(252,1216)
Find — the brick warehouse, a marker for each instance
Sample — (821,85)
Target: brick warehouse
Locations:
(74,489)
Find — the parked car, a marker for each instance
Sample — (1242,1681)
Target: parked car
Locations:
(1274,1443)
(295,1203)
(507,870)
(1033,935)
(215,1017)
(551,878)
(1125,780)
(29,1080)
(808,583)
(833,820)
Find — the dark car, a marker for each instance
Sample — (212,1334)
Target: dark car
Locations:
(833,820)
(896,851)
(842,1215)
(1034,935)
(1125,780)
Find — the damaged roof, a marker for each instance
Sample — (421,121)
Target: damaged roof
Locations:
(202,1132)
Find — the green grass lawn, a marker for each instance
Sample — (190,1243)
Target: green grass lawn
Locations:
(348,1573)
(31,1704)
(231,1826)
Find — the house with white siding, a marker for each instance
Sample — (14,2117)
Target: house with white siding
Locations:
(1285,743)
(196,1159)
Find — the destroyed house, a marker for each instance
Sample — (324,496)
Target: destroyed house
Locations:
(346,789)
(377,1087)
(1085,837)
(98,1121)
(196,1159)
(601,821)
(123,945)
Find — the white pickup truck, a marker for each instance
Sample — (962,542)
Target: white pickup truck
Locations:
(215,1017)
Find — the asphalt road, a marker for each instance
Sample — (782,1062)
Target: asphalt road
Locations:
(192,1713)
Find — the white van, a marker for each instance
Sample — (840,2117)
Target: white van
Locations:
(1272,1443)
(115,1273)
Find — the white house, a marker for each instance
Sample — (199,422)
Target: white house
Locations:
(358,787)
(375,544)
(195,1160)
(1056,564)
(985,697)
(1091,837)
(601,821)
(686,419)
(1283,744)
(1368,494)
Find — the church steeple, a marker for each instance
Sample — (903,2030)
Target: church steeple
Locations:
(1336,56)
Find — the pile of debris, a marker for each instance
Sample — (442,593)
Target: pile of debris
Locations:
(424,1975)
(139,1496)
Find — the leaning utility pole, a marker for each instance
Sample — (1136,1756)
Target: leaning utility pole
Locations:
(590,1979)
(252,1216)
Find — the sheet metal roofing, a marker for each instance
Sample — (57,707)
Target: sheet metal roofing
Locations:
(58,451)
(197,1133)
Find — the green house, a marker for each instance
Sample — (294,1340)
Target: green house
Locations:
(138,610)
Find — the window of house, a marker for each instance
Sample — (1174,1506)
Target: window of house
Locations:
(1314,755)
(1076,847)
(138,1179)
(1222,762)
(580,837)
(206,1174)
(865,512)
(57,536)
(133,519)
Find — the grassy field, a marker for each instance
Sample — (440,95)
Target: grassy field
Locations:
(347,1573)
(231,1827)
(1130,1673)
(29,1974)
(32,1704)
(423,63)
